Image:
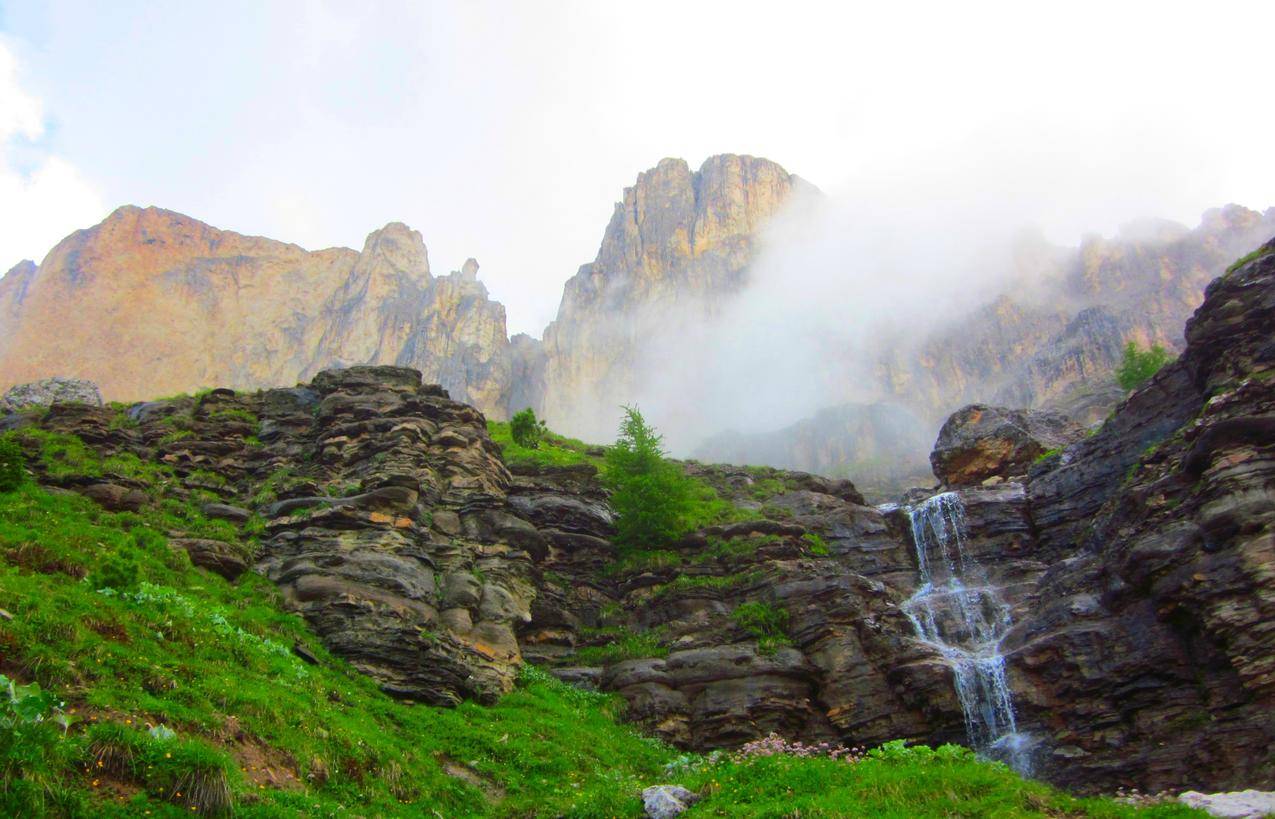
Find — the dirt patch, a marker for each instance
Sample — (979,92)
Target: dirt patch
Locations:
(463,772)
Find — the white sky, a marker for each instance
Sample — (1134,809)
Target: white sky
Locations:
(506,130)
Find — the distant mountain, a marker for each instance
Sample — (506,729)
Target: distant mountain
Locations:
(882,445)
(150,302)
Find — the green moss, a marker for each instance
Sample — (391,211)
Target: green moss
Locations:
(692,583)
(736,547)
(765,622)
(175,436)
(816,544)
(1047,454)
(636,561)
(1260,253)
(626,645)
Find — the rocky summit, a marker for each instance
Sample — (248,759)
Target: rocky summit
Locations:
(1094,609)
(200,307)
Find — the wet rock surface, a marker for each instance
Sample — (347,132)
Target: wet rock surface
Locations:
(1148,657)
(980,442)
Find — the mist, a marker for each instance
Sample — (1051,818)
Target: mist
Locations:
(886,261)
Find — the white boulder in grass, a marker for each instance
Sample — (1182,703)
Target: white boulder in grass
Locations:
(667,801)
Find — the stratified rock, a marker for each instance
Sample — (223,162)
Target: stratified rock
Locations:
(419,578)
(48,391)
(1146,655)
(979,442)
(223,511)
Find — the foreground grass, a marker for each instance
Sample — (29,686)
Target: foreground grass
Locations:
(899,783)
(184,695)
(212,661)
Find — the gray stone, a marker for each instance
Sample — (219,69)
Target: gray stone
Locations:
(461,590)
(222,511)
(214,555)
(1234,805)
(48,391)
(114,497)
(667,801)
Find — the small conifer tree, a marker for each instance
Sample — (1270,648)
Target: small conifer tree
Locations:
(1137,366)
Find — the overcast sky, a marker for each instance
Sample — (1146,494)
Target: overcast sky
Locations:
(506,130)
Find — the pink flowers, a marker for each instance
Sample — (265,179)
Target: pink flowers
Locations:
(774,744)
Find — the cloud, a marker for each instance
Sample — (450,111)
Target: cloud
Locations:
(43,196)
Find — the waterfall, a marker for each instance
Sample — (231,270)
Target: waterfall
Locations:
(956,611)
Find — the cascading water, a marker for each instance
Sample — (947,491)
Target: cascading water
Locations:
(957,612)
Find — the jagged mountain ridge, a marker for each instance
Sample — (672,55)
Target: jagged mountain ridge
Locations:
(214,307)
(193,306)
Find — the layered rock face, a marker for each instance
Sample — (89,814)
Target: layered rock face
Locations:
(843,663)
(381,510)
(151,302)
(1155,638)
(678,243)
(1141,581)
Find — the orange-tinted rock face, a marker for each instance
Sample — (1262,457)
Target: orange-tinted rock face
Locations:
(678,243)
(151,303)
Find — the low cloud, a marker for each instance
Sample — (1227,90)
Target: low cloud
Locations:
(43,197)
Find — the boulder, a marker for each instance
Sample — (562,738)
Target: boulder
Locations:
(1248,804)
(214,555)
(222,511)
(979,442)
(667,801)
(48,391)
(115,498)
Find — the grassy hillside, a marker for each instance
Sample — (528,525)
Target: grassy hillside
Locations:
(166,690)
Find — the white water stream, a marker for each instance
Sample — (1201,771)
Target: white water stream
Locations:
(958,613)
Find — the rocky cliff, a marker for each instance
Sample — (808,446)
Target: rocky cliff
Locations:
(679,242)
(1131,568)
(151,302)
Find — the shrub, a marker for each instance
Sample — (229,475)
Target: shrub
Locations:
(34,753)
(12,465)
(652,498)
(526,429)
(1137,366)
